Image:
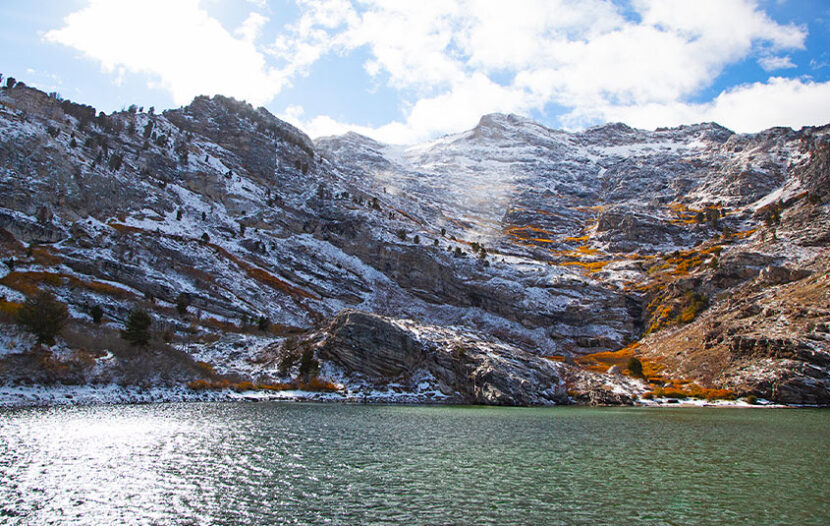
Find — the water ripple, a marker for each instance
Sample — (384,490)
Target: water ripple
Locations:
(272,463)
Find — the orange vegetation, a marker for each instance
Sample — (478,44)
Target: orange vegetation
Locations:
(578,239)
(690,390)
(315,384)
(653,373)
(587,251)
(590,266)
(121,227)
(744,233)
(28,283)
(263,276)
(9,308)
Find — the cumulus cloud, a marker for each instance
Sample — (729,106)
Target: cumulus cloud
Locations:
(770,63)
(252,26)
(450,61)
(586,56)
(746,108)
(176,42)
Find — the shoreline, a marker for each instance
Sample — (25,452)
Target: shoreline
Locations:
(16,397)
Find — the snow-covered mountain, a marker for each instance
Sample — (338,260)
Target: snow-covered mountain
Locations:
(244,239)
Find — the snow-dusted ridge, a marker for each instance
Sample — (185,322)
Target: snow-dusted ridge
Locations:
(585,235)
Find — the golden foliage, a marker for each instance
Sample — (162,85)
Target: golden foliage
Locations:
(315,384)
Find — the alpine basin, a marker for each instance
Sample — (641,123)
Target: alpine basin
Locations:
(284,463)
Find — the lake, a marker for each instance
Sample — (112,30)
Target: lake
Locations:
(293,463)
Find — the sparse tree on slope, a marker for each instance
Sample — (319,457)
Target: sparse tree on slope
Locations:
(137,329)
(43,316)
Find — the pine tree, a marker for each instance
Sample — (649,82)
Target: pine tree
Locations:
(43,316)
(309,367)
(137,328)
(97,313)
(635,366)
(263,323)
(182,303)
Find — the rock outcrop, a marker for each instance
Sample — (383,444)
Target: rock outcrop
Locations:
(466,369)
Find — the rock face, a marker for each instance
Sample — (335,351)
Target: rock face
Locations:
(560,244)
(466,369)
(371,346)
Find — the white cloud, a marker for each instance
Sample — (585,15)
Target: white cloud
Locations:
(450,61)
(442,56)
(747,108)
(252,26)
(770,63)
(174,40)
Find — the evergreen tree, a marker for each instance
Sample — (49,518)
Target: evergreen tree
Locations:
(263,323)
(182,303)
(137,328)
(635,366)
(97,313)
(309,367)
(43,316)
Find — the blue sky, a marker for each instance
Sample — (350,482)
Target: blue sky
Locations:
(403,71)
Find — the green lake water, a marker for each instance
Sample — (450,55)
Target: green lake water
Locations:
(289,463)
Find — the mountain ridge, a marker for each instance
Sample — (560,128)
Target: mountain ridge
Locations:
(558,244)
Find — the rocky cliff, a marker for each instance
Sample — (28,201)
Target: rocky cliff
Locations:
(509,264)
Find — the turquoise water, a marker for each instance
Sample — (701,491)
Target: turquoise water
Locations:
(283,463)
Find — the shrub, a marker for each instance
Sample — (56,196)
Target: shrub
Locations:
(182,303)
(137,328)
(635,366)
(115,162)
(43,316)
(97,313)
(695,303)
(401,235)
(752,399)
(206,237)
(416,239)
(263,323)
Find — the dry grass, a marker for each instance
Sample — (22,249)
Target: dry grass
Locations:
(590,266)
(315,384)
(577,239)
(43,256)
(28,282)
(105,289)
(263,276)
(9,310)
(653,373)
(127,229)
(690,390)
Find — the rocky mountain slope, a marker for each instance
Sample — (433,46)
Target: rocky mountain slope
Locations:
(509,264)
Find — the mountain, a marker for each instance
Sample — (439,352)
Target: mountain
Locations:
(509,264)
